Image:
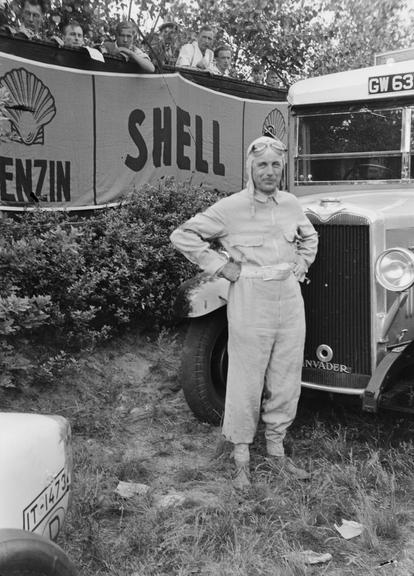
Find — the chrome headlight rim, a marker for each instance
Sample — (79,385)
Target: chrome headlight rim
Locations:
(379,273)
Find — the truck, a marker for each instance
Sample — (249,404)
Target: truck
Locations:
(350,163)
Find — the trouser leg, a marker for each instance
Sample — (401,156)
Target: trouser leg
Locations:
(249,347)
(283,375)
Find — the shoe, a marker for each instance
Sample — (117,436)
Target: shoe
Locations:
(285,464)
(241,478)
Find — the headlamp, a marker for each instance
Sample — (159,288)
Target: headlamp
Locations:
(394,269)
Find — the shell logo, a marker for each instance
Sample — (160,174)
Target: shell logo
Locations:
(275,125)
(30,107)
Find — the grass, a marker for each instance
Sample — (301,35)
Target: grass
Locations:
(130,423)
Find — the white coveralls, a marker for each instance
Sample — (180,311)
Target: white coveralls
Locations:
(268,235)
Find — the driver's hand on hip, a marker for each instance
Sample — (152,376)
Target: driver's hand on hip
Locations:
(230,271)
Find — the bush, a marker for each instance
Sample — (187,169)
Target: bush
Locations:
(67,285)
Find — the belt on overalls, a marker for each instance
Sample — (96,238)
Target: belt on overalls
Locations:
(275,272)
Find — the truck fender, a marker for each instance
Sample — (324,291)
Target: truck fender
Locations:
(397,358)
(201,295)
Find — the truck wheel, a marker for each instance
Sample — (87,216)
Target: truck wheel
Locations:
(204,366)
(26,554)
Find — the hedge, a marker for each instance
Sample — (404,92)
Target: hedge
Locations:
(68,284)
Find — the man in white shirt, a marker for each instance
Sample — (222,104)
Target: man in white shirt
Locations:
(198,54)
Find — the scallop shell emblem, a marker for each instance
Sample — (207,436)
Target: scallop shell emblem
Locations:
(31,105)
(275,125)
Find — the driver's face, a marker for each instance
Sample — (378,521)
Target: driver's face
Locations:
(267,171)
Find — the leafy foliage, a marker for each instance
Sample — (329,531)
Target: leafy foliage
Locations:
(299,39)
(67,285)
(294,39)
(358,30)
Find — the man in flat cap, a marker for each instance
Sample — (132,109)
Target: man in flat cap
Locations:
(165,44)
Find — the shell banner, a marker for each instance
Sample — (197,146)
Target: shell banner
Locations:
(78,138)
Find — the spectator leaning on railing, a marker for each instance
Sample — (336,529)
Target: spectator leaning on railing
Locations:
(125,36)
(198,54)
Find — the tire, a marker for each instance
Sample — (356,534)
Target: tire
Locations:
(203,369)
(26,554)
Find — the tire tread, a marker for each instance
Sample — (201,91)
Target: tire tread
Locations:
(195,370)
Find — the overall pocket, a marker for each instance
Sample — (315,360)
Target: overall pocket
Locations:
(243,247)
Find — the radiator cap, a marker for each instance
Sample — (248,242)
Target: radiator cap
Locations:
(327,202)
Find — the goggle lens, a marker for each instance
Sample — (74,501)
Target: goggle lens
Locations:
(261,147)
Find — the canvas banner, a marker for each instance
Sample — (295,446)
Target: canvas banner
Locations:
(50,111)
(84,139)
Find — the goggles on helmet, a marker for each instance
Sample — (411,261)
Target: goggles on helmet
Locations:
(260,147)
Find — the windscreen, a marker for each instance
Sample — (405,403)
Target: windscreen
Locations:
(352,145)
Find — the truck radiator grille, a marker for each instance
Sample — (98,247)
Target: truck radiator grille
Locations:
(337,304)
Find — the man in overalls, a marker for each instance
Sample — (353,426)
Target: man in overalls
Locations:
(269,245)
